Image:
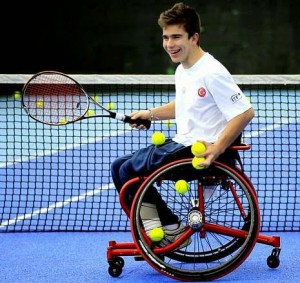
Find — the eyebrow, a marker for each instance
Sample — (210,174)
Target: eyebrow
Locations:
(172,35)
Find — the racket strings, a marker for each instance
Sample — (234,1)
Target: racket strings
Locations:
(54,99)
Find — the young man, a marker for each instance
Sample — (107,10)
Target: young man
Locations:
(208,107)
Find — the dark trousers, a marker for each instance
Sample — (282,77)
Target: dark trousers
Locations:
(142,163)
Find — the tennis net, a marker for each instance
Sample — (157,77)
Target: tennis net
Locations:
(58,178)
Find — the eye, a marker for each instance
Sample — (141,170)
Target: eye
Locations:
(177,36)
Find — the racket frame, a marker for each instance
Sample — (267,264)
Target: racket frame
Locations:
(111,114)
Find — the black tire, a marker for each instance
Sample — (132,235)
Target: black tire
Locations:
(273,261)
(115,270)
(119,261)
(214,251)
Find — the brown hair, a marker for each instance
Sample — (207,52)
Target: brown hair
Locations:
(181,14)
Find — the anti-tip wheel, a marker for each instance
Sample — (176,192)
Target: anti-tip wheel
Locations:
(116,266)
(119,261)
(114,270)
(273,261)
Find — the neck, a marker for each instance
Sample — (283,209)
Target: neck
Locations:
(193,58)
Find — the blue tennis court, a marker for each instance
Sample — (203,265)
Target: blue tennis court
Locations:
(57,179)
(81,257)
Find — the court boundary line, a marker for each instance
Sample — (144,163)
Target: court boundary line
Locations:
(43,153)
(55,205)
(272,127)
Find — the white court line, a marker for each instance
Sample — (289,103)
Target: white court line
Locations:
(54,151)
(276,125)
(98,190)
(55,205)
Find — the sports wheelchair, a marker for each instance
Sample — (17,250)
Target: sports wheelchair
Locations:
(220,213)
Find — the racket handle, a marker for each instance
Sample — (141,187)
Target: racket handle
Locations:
(127,119)
(146,123)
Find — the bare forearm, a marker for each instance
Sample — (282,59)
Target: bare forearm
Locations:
(164,112)
(233,130)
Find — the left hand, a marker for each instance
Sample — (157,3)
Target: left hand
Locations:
(211,153)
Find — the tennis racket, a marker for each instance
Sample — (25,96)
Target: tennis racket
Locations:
(54,98)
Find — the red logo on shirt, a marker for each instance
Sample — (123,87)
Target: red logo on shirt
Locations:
(201,92)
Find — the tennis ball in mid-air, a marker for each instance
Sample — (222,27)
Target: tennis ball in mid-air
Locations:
(111,106)
(40,104)
(198,147)
(156,234)
(17,94)
(197,160)
(158,138)
(181,186)
(90,112)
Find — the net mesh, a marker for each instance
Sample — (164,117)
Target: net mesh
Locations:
(58,178)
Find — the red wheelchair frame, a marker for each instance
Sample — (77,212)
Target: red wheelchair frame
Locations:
(224,228)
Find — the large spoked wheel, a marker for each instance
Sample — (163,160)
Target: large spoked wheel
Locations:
(221,215)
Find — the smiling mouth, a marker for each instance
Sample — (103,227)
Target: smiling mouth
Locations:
(174,52)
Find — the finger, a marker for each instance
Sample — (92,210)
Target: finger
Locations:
(133,126)
(208,161)
(136,126)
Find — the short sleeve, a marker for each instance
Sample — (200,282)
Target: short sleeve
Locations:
(228,96)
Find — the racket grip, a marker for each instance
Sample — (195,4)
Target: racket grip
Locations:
(146,123)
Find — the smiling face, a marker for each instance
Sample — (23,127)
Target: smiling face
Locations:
(179,46)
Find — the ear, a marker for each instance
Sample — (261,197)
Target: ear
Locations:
(195,38)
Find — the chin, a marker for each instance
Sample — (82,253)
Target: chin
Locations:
(175,60)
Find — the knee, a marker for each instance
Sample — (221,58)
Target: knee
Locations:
(121,169)
(117,163)
(116,172)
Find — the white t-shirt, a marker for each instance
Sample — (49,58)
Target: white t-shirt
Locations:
(206,99)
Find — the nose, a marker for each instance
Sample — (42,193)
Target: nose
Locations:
(169,43)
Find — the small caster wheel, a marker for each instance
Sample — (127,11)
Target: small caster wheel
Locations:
(273,261)
(119,261)
(114,270)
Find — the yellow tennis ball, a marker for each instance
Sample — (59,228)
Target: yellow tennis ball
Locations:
(17,94)
(90,112)
(198,147)
(158,138)
(40,104)
(111,106)
(197,160)
(181,186)
(96,98)
(63,121)
(156,234)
